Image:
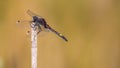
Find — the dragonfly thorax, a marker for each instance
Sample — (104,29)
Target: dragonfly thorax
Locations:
(35,19)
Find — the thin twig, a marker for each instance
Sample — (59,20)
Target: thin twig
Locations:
(34,46)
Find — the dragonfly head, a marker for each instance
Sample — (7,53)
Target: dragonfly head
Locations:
(35,18)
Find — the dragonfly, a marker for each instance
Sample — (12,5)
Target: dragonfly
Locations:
(42,25)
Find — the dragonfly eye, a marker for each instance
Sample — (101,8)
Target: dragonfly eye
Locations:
(35,18)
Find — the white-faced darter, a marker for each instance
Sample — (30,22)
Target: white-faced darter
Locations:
(40,23)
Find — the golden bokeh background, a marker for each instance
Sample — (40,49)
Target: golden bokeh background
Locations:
(91,26)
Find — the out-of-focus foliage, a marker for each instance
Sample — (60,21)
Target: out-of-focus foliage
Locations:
(91,26)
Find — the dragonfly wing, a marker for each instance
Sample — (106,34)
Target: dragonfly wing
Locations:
(24,25)
(32,14)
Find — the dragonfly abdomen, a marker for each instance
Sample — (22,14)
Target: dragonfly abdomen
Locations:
(59,34)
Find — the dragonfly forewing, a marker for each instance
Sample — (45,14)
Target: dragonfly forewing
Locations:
(29,12)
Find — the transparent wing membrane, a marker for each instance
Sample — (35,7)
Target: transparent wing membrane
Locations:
(25,25)
(29,12)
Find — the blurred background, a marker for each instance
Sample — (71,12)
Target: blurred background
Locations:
(91,26)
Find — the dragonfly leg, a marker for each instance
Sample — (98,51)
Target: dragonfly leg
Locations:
(39,29)
(34,26)
(38,32)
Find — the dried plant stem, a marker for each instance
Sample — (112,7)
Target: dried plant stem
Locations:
(34,47)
